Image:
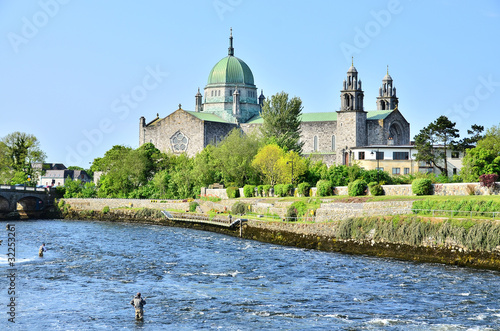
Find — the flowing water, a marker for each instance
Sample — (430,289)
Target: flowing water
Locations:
(195,280)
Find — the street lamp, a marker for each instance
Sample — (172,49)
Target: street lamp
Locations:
(288,162)
(376,157)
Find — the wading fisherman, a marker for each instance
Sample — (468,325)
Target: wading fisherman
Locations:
(41,250)
(138,304)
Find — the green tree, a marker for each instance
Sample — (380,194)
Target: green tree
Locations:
(266,161)
(125,170)
(291,162)
(484,158)
(491,140)
(19,151)
(234,155)
(282,121)
(434,140)
(338,175)
(205,170)
(314,171)
(475,134)
(181,184)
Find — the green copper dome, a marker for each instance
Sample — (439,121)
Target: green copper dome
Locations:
(231,70)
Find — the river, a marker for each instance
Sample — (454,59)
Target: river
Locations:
(196,280)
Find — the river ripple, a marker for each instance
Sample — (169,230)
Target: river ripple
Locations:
(195,280)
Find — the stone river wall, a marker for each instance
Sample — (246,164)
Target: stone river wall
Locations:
(320,235)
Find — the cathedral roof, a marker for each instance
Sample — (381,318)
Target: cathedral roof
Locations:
(231,70)
(329,116)
(209,117)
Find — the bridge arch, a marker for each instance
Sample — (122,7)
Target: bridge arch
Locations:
(4,204)
(30,203)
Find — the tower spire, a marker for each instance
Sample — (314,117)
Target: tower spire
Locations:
(231,48)
(352,61)
(387,69)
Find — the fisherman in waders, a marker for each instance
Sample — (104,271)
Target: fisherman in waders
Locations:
(41,250)
(138,304)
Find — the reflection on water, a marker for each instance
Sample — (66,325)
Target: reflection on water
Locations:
(199,280)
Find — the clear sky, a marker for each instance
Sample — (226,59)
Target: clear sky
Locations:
(79,74)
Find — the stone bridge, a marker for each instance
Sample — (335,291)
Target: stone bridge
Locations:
(13,198)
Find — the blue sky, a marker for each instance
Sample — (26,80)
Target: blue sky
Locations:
(79,74)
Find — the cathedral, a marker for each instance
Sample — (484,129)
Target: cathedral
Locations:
(231,100)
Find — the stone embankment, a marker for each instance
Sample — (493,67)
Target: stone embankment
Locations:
(321,235)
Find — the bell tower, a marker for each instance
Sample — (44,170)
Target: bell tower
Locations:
(351,96)
(387,99)
(351,118)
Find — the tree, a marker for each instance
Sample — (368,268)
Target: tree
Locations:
(282,121)
(205,171)
(266,161)
(484,158)
(6,172)
(475,134)
(314,171)
(491,140)
(291,164)
(234,155)
(19,151)
(125,170)
(440,133)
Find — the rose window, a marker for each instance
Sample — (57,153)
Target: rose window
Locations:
(179,142)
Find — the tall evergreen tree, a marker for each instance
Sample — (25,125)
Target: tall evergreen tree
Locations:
(282,121)
(434,140)
(475,134)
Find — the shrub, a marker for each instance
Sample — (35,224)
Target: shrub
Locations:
(278,190)
(324,188)
(356,188)
(193,205)
(239,208)
(233,192)
(291,213)
(260,190)
(105,210)
(266,189)
(375,189)
(300,207)
(287,190)
(303,189)
(249,191)
(422,186)
(488,180)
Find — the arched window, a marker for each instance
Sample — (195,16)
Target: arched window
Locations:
(333,142)
(212,93)
(315,143)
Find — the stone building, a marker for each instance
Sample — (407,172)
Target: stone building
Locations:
(230,101)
